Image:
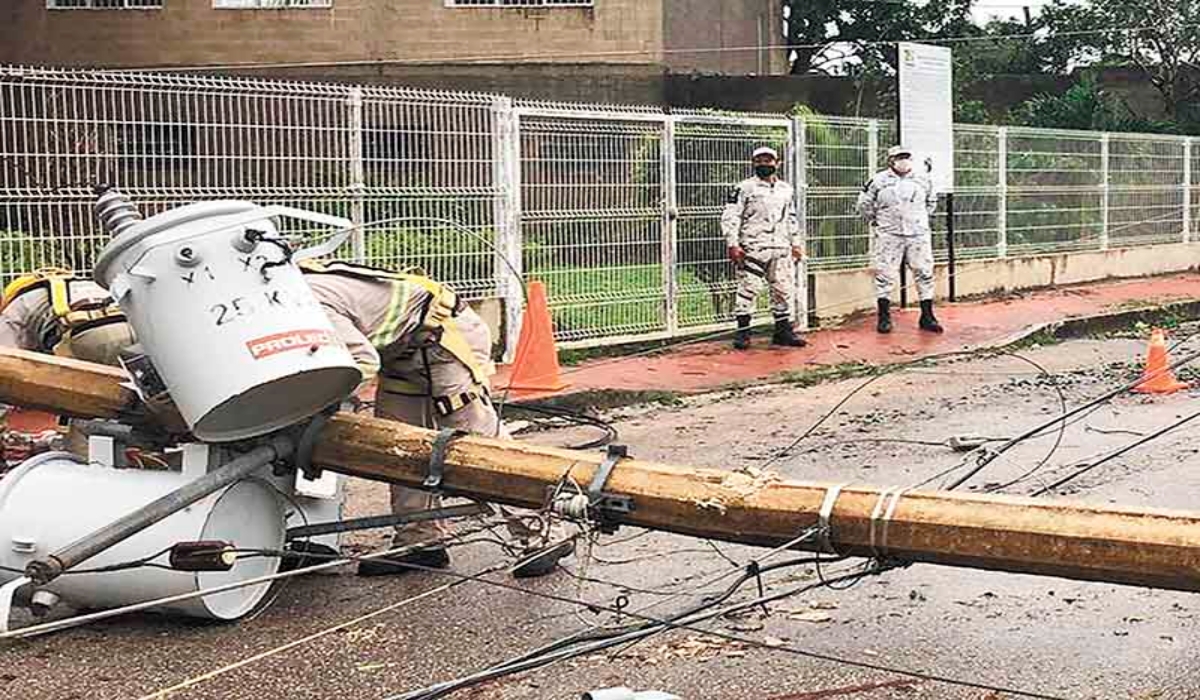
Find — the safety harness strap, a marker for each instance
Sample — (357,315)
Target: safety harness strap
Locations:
(444,405)
(439,315)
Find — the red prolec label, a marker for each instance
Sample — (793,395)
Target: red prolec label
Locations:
(291,340)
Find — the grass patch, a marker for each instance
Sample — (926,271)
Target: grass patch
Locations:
(832,373)
(625,300)
(602,400)
(1039,338)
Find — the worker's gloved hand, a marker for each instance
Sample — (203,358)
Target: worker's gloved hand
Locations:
(736,253)
(797,252)
(353,404)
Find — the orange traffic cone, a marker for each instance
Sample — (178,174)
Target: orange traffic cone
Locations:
(535,367)
(1158,377)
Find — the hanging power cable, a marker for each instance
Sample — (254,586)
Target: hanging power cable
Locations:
(1100,400)
(1113,455)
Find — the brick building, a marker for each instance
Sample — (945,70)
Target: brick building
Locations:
(595,50)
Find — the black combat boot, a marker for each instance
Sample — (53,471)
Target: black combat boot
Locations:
(786,335)
(433,557)
(884,324)
(928,321)
(741,339)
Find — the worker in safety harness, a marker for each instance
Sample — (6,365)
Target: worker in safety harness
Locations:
(432,355)
(52,311)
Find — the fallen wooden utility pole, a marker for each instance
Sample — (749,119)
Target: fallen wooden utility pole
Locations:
(1147,547)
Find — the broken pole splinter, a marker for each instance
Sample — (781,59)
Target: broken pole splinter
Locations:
(1146,547)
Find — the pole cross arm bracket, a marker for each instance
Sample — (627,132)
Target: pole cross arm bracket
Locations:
(608,508)
(437,457)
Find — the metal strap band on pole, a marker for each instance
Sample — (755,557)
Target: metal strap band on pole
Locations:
(823,516)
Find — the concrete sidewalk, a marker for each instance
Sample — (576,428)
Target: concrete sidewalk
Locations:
(706,366)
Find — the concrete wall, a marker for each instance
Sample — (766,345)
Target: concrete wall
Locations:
(609,83)
(724,24)
(191,32)
(844,96)
(840,294)
(849,97)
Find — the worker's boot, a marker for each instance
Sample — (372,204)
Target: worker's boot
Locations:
(884,322)
(741,338)
(434,557)
(786,335)
(928,321)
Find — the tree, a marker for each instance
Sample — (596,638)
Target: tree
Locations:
(834,36)
(998,53)
(1085,106)
(1165,47)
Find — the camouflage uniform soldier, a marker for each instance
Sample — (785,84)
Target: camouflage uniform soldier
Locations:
(763,237)
(898,203)
(432,355)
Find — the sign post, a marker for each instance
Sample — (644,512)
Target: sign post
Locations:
(926,123)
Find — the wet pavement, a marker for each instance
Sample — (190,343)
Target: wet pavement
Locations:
(705,366)
(1051,636)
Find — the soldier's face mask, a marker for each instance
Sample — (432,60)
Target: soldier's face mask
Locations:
(902,166)
(764,169)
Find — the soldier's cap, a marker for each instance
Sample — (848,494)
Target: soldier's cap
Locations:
(896,151)
(765,151)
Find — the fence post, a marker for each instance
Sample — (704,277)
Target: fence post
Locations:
(358,184)
(1104,191)
(1187,190)
(670,233)
(872,147)
(798,168)
(506,208)
(1002,192)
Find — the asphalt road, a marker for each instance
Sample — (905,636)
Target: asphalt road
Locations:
(1051,636)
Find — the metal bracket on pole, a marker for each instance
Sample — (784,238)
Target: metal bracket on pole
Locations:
(437,457)
(606,507)
(308,440)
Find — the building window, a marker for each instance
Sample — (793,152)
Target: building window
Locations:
(104,4)
(519,3)
(268,4)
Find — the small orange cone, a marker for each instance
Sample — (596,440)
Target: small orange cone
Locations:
(1158,377)
(535,367)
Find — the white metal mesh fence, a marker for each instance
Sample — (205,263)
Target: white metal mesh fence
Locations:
(415,166)
(592,221)
(839,155)
(616,210)
(709,159)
